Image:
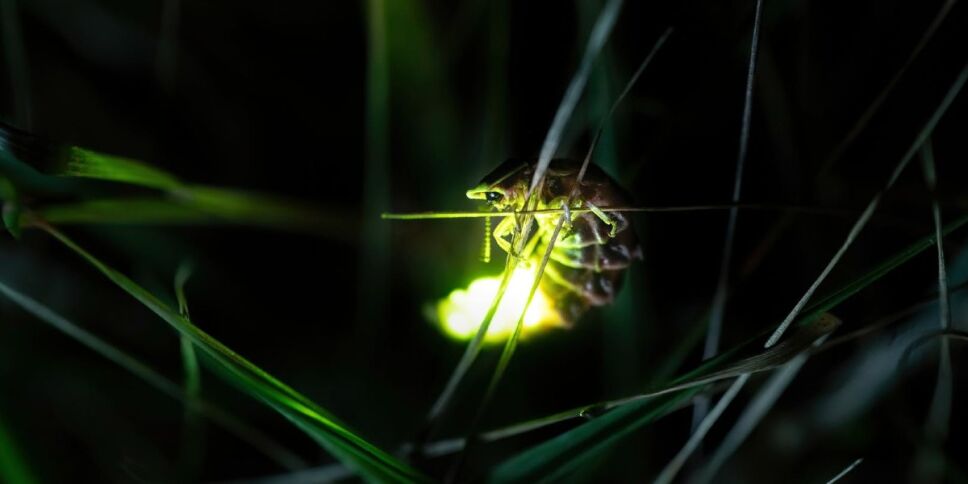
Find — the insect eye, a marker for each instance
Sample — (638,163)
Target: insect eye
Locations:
(494,197)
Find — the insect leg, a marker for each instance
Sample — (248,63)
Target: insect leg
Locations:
(605,218)
(505,227)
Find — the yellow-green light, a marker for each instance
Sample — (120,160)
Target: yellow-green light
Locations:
(461,313)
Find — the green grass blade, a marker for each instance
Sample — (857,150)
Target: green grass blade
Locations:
(196,205)
(83,163)
(254,437)
(13,467)
(190,453)
(586,440)
(563,454)
(363,457)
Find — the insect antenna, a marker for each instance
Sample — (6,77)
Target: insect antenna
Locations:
(486,248)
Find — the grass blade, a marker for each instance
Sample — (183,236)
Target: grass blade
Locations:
(940,411)
(751,417)
(875,202)
(596,40)
(190,454)
(363,457)
(718,306)
(844,472)
(868,113)
(257,439)
(83,163)
(673,467)
(592,437)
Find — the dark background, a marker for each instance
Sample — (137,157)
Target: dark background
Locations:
(272,97)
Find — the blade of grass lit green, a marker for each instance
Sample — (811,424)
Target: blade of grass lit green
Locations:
(363,457)
(375,235)
(861,222)
(83,163)
(13,467)
(185,202)
(257,439)
(194,205)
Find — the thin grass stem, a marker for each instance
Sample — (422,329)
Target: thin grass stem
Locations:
(874,203)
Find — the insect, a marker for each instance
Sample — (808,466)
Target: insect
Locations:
(593,250)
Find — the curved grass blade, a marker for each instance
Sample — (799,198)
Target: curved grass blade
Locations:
(363,457)
(240,429)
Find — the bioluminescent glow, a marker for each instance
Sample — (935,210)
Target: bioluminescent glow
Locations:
(461,313)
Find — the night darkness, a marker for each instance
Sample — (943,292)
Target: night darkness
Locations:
(323,115)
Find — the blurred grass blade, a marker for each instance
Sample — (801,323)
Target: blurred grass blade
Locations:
(861,222)
(844,472)
(179,202)
(83,163)
(235,426)
(939,414)
(600,33)
(750,418)
(13,466)
(191,205)
(363,457)
(699,433)
(190,452)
